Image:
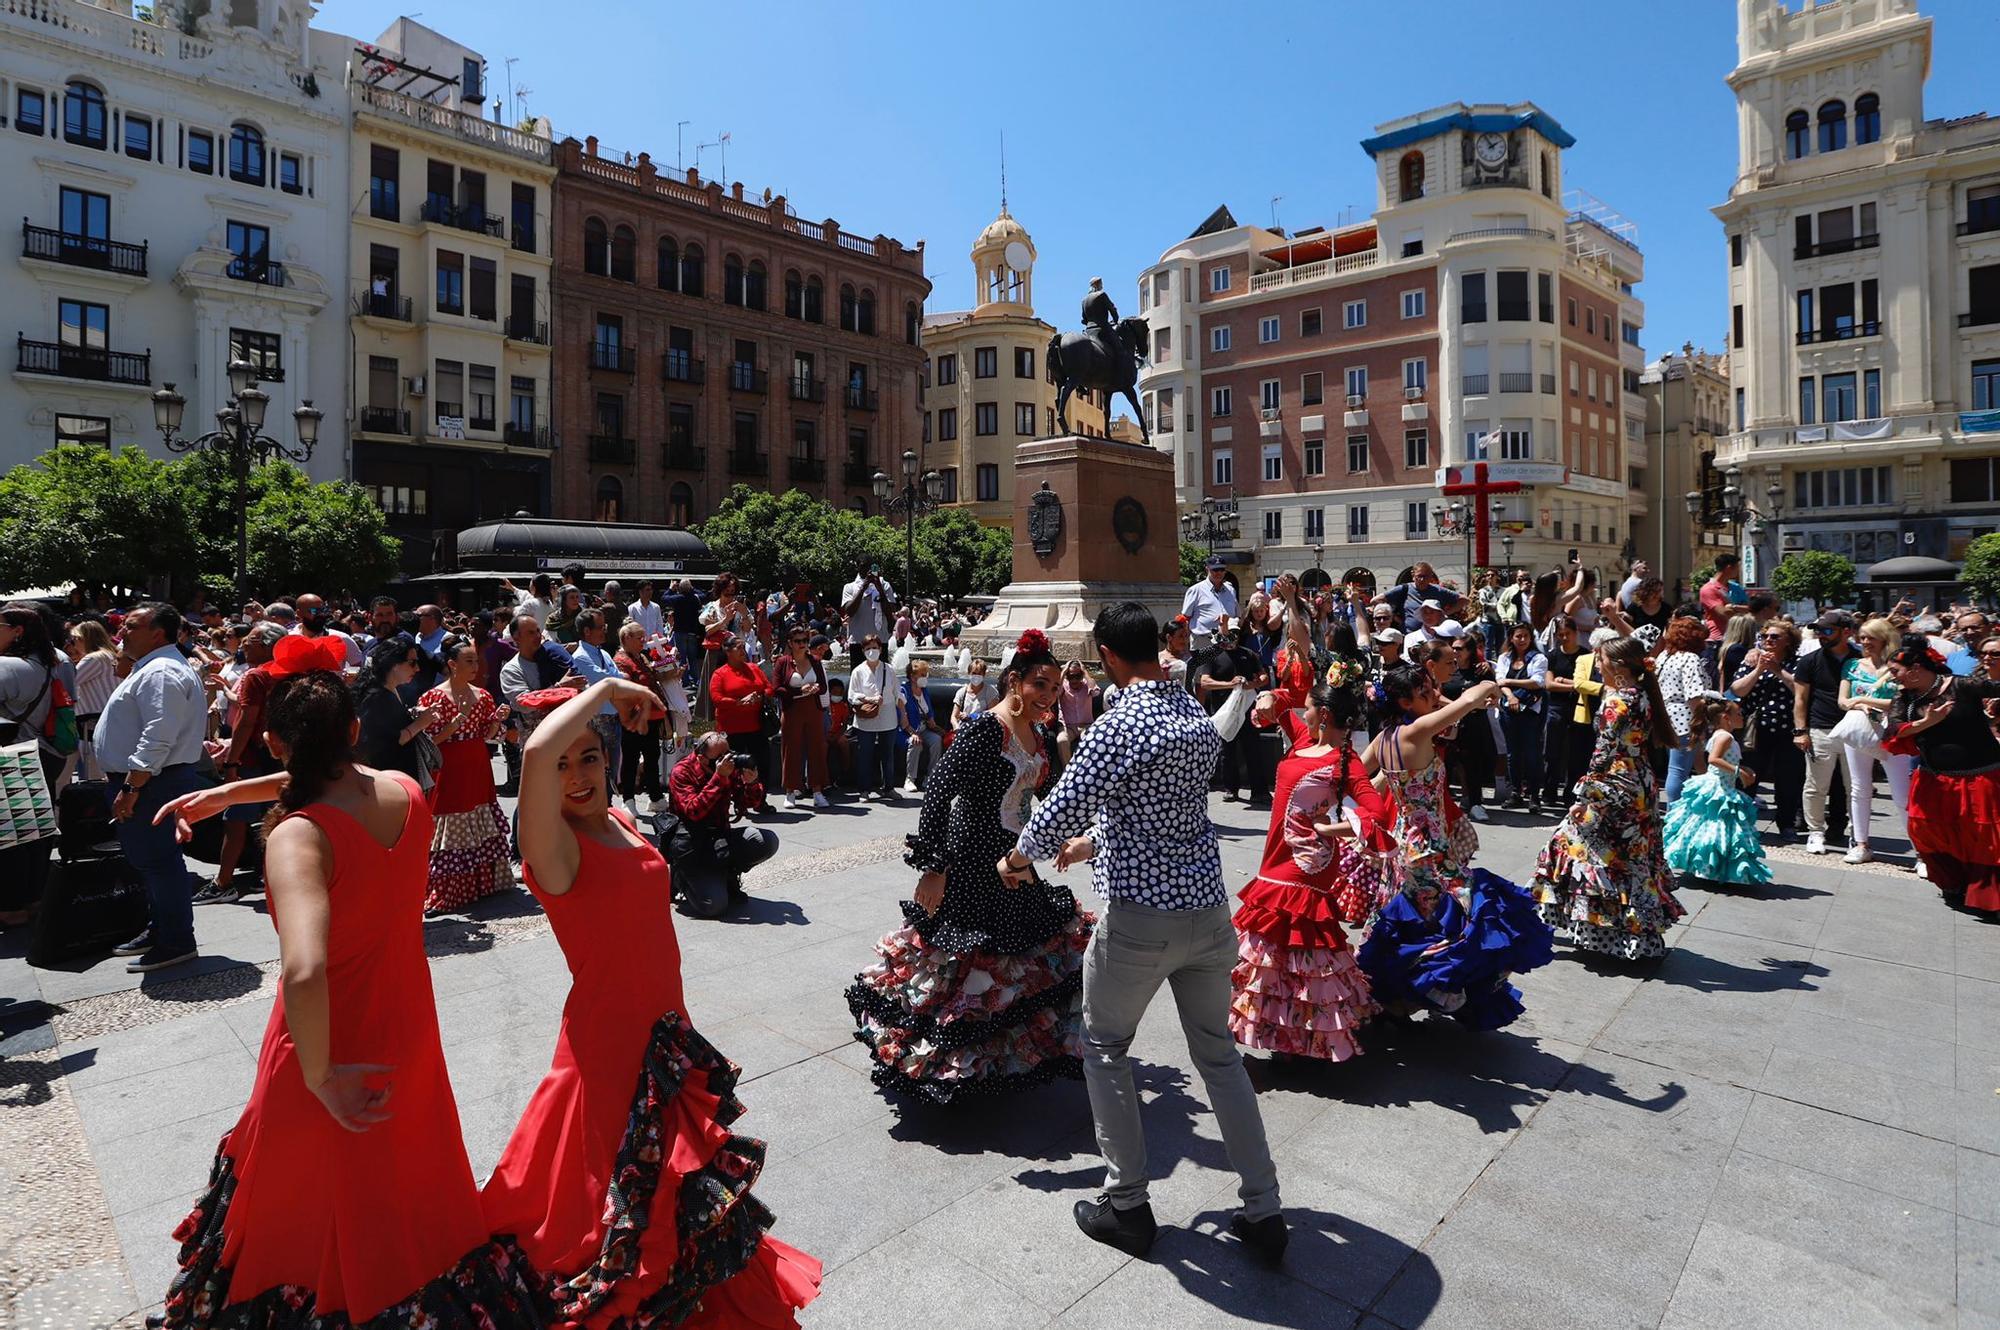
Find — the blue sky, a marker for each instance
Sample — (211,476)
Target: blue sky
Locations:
(889,117)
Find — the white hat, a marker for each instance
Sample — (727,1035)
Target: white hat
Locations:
(1431,605)
(1387,635)
(1449,628)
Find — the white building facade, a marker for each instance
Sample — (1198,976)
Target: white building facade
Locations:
(1334,383)
(1864,286)
(184,188)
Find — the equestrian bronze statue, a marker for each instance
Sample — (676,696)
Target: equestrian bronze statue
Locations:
(1105,356)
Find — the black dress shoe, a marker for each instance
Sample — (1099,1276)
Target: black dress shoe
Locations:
(1266,1237)
(1130,1231)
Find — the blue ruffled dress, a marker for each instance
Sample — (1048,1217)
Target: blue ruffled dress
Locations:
(1711,830)
(1496,934)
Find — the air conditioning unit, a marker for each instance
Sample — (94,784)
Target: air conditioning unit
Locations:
(416,385)
(1357,399)
(1410,395)
(1271,413)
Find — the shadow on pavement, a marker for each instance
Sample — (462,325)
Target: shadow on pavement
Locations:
(1683,968)
(1215,1267)
(756,909)
(218,976)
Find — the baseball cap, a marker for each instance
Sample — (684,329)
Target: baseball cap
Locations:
(1386,635)
(1449,629)
(1833,619)
(1215,561)
(1432,605)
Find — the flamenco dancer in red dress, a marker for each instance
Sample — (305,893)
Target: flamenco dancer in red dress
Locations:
(622,1180)
(1298,991)
(1955,794)
(343,1196)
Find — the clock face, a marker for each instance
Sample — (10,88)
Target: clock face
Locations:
(1490,149)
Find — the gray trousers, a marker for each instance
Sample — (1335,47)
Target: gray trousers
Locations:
(1134,950)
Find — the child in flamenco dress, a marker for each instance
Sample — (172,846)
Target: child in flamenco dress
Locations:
(1298,992)
(1711,830)
(1446,938)
(978,989)
(623,1180)
(1603,876)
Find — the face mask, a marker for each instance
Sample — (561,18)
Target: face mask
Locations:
(872,654)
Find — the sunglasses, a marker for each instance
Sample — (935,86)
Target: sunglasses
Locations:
(1990,653)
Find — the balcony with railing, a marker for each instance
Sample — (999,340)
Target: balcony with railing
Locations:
(380,305)
(808,389)
(611,356)
(1474,385)
(80,251)
(257,270)
(748,378)
(1980,318)
(94,363)
(1842,332)
(807,468)
(683,367)
(1549,384)
(385,420)
(860,398)
(612,448)
(516,435)
(1502,233)
(748,462)
(1303,273)
(1516,383)
(533,331)
(462,217)
(1846,245)
(857,471)
(449,120)
(685,457)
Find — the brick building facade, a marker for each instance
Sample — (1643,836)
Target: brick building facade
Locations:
(704,340)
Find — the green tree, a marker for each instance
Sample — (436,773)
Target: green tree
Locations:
(91,515)
(1820,576)
(327,536)
(1193,561)
(957,556)
(1981,575)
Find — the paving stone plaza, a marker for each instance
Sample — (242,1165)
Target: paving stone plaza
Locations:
(1792,1120)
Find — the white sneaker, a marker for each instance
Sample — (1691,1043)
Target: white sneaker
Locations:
(1923,870)
(792,801)
(820,800)
(1859,854)
(867,796)
(1477,813)
(910,786)
(1815,843)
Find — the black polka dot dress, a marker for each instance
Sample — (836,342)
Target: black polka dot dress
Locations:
(985,994)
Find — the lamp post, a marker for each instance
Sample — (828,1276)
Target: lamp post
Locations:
(239,433)
(1214,523)
(1507,545)
(916,496)
(1451,519)
(1737,510)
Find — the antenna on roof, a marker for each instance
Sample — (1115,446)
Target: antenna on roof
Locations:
(1003,173)
(1275,198)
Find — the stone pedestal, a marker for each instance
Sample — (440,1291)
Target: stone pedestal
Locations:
(1118,539)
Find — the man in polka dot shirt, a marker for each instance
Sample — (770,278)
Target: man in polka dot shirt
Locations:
(1135,801)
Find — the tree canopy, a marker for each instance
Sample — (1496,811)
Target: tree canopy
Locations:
(1981,574)
(776,540)
(1820,576)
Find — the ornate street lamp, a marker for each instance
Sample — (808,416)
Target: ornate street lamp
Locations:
(916,496)
(1215,522)
(239,433)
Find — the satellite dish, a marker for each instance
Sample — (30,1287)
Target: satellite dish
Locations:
(1018,257)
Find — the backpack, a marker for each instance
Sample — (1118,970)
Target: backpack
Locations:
(59,733)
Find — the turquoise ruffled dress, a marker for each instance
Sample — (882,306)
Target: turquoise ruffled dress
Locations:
(1711,830)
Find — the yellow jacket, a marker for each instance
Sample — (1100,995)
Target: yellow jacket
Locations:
(1587,685)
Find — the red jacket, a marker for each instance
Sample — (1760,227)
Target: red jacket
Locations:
(699,790)
(739,696)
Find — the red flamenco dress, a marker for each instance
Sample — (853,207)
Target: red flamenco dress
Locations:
(469,853)
(1954,812)
(308,1225)
(622,1179)
(1297,989)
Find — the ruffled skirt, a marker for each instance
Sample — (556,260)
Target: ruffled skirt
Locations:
(1955,827)
(1603,878)
(1458,961)
(944,1023)
(1710,832)
(469,858)
(492,1287)
(1296,987)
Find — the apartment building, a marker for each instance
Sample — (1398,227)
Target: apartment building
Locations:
(1332,381)
(184,196)
(703,339)
(450,250)
(1863,252)
(987,386)
(1686,398)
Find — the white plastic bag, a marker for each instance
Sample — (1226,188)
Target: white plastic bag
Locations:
(1230,719)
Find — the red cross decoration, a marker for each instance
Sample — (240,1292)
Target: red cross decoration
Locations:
(1480,488)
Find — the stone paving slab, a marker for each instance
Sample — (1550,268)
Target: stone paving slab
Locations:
(1791,1119)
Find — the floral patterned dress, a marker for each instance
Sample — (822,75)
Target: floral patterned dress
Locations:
(983,995)
(469,855)
(1603,877)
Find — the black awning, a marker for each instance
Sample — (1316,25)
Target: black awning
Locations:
(1912,568)
(535,544)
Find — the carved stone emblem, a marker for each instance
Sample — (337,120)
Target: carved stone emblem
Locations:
(1128,523)
(1045,521)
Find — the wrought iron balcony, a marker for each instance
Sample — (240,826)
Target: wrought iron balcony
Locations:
(484,424)
(682,367)
(369,305)
(748,462)
(611,356)
(1844,332)
(462,217)
(808,468)
(384,420)
(1824,247)
(1517,383)
(1979,318)
(79,251)
(860,398)
(1549,384)
(612,448)
(526,436)
(805,388)
(748,378)
(255,268)
(1475,385)
(857,471)
(528,330)
(84,362)
(685,457)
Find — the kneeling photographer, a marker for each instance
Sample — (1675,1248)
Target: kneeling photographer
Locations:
(708,791)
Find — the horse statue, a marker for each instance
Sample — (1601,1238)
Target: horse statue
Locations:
(1105,357)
